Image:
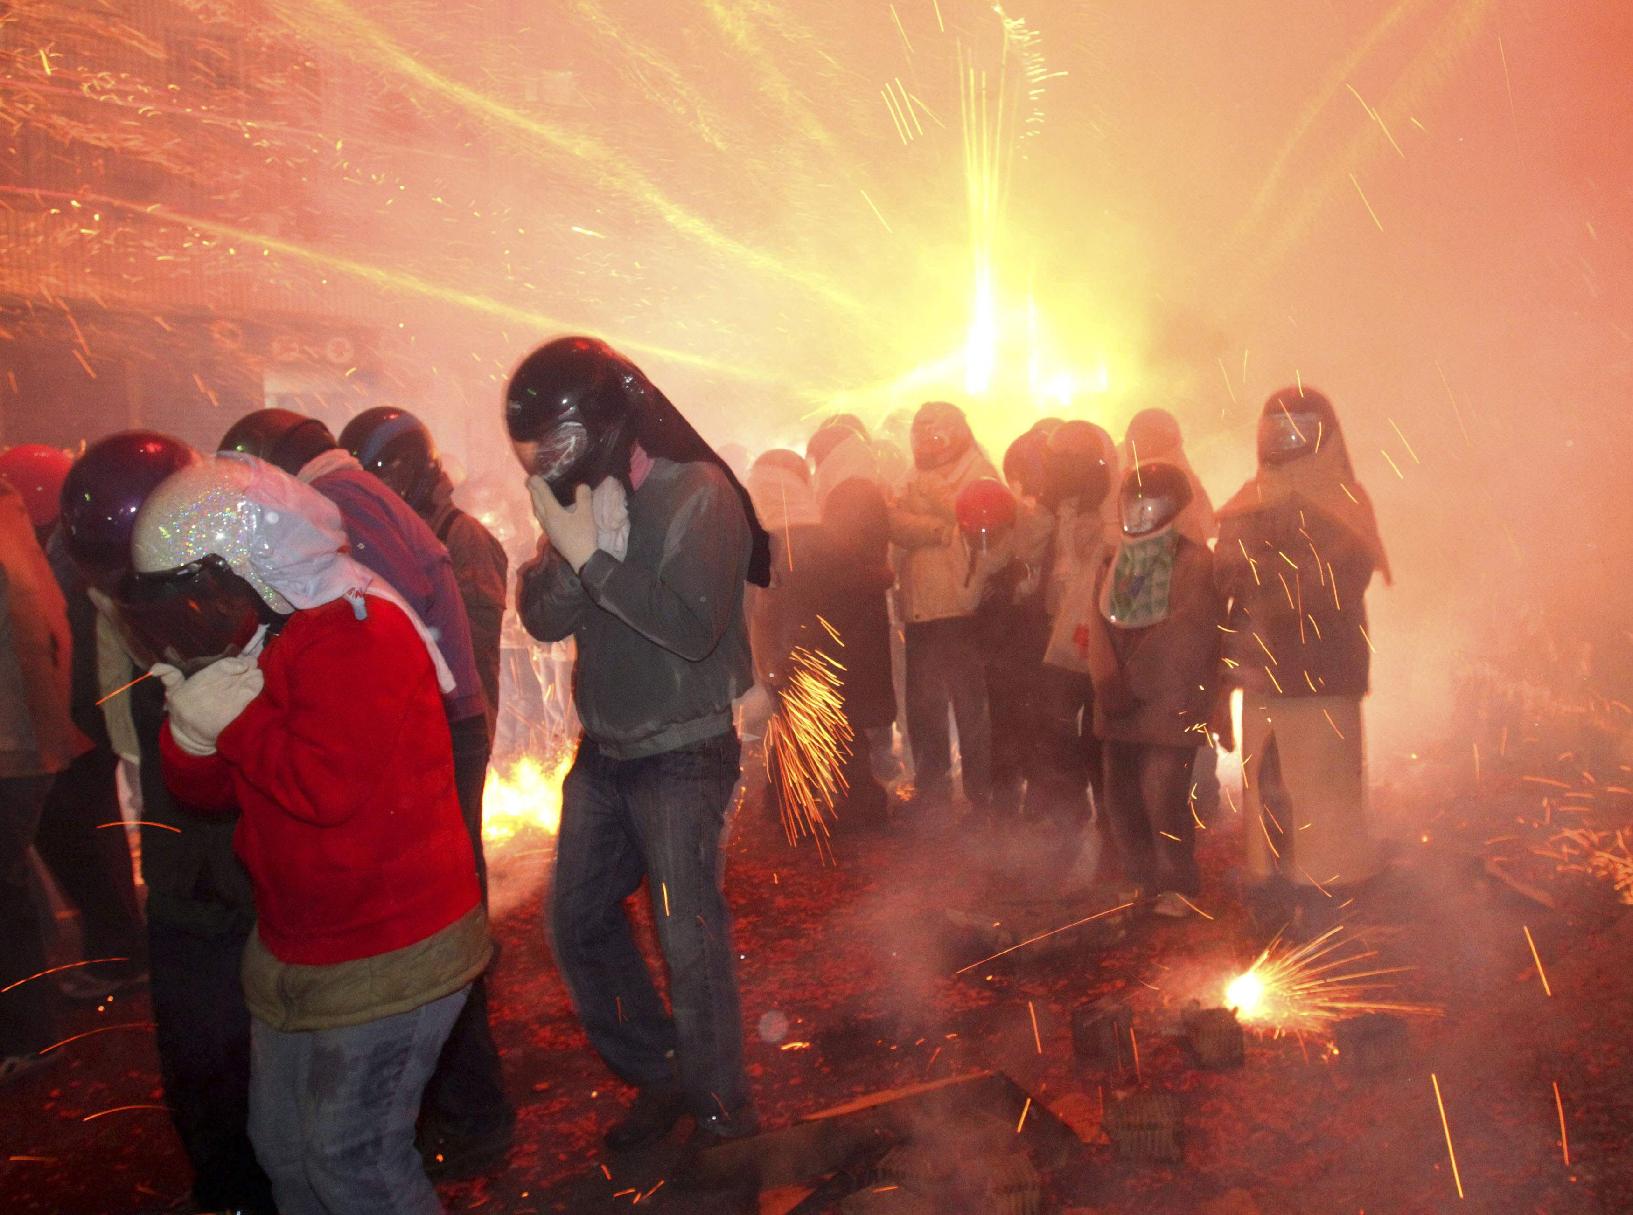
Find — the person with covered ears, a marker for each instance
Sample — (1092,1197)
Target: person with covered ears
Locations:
(648,542)
(303,691)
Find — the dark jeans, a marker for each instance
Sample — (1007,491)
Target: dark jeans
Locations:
(204,1049)
(332,1112)
(26,1020)
(466,1096)
(944,668)
(658,818)
(91,863)
(1066,762)
(1148,791)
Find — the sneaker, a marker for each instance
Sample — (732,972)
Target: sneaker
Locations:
(87,985)
(15,1067)
(1172,905)
(653,1114)
(455,1157)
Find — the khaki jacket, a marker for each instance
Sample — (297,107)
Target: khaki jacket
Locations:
(932,560)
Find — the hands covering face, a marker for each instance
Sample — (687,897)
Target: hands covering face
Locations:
(204,704)
(571,529)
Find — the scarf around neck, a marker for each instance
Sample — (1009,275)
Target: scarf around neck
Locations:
(1136,593)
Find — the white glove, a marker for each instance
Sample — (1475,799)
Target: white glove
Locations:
(571,528)
(610,505)
(203,705)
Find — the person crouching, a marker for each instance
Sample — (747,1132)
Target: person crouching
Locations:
(1153,653)
(302,689)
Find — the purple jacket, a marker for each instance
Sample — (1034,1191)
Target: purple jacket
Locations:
(388,537)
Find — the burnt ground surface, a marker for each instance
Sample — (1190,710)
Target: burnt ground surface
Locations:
(859,955)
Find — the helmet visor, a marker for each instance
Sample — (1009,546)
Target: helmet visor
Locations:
(557,455)
(1286,434)
(189,616)
(1143,514)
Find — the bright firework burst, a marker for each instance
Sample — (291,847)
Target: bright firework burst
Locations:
(1307,988)
(807,743)
(526,794)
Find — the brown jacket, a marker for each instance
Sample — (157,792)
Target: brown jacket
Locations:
(1157,684)
(37,734)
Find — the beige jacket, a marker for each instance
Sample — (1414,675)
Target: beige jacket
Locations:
(932,561)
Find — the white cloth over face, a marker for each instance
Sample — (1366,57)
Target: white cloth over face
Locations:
(298,549)
(609,503)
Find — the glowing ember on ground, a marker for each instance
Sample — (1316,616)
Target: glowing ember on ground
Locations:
(1245,993)
(525,794)
(1306,988)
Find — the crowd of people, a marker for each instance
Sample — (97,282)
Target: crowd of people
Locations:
(294,641)
(1080,623)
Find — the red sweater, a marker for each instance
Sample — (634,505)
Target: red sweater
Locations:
(343,771)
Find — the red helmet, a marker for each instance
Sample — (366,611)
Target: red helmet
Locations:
(984,508)
(36,472)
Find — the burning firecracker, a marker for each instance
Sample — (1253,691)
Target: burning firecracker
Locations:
(1307,988)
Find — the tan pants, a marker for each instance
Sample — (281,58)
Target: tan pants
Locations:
(1304,794)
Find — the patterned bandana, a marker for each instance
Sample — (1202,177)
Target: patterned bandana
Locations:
(1136,593)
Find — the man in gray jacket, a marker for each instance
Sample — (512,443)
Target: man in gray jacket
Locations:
(648,542)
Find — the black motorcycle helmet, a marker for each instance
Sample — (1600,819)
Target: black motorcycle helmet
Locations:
(572,410)
(575,408)
(103,493)
(281,437)
(1077,464)
(395,446)
(1152,497)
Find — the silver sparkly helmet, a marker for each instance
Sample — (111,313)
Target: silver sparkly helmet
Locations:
(206,510)
(194,593)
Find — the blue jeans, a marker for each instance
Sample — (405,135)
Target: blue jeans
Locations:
(331,1112)
(659,818)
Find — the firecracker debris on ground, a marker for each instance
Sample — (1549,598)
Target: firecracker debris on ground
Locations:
(856,980)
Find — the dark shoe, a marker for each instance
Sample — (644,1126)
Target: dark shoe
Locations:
(455,1157)
(91,984)
(717,1128)
(698,1169)
(656,1109)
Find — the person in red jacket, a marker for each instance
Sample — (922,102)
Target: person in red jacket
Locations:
(302,690)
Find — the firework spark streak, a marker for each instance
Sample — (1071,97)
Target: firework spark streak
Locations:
(1099,915)
(1535,957)
(807,743)
(1451,1152)
(1600,854)
(1309,987)
(1564,1142)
